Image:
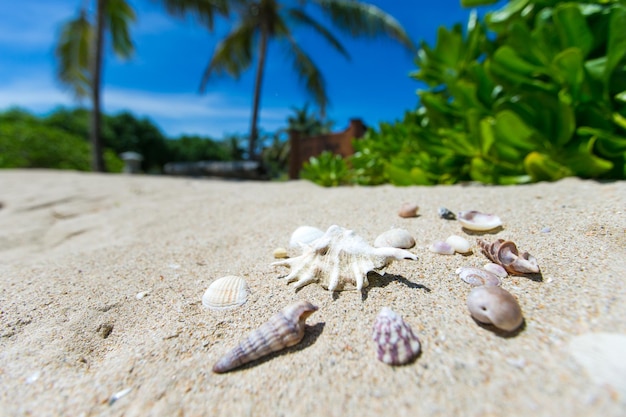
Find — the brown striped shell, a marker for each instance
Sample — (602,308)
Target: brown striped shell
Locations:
(505,253)
(281,331)
(396,344)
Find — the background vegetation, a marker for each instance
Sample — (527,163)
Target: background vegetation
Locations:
(536,91)
(59,141)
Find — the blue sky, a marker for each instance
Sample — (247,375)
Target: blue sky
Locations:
(161,80)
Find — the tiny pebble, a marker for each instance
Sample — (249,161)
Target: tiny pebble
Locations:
(174,266)
(142,294)
(280,253)
(546,230)
(33,377)
(408,210)
(446,214)
(118,395)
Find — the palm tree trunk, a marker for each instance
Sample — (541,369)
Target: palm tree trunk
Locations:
(254,133)
(95,128)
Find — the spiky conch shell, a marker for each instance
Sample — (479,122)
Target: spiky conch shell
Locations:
(281,331)
(505,253)
(338,258)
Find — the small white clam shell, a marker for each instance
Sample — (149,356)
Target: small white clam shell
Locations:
(304,235)
(458,243)
(477,221)
(441,248)
(496,269)
(495,305)
(225,293)
(395,238)
(477,276)
(396,344)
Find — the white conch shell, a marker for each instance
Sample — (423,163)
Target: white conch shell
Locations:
(281,331)
(338,258)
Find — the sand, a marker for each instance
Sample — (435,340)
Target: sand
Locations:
(77,248)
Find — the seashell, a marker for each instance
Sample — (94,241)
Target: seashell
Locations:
(446,214)
(458,243)
(339,259)
(304,235)
(495,305)
(441,248)
(477,221)
(281,331)
(505,253)
(395,238)
(496,269)
(225,293)
(408,210)
(477,276)
(396,344)
(280,253)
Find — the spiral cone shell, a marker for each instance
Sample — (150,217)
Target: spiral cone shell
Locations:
(281,331)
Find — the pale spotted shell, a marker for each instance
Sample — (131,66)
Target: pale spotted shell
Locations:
(225,293)
(396,344)
(395,238)
(495,305)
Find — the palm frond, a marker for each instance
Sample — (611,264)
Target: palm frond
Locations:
(309,73)
(364,19)
(119,15)
(73,52)
(203,10)
(233,54)
(298,15)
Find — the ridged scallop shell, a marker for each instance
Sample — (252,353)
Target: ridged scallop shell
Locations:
(395,238)
(281,331)
(396,344)
(477,221)
(338,260)
(458,243)
(408,210)
(442,248)
(495,305)
(477,276)
(304,235)
(225,293)
(505,253)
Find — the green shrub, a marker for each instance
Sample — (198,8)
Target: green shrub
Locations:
(327,170)
(31,145)
(536,92)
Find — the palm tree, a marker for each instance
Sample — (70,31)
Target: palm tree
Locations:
(81,44)
(263,20)
(307,124)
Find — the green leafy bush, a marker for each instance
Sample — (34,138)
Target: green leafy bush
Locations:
(327,170)
(27,144)
(536,92)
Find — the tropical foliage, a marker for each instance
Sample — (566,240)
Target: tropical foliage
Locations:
(58,141)
(535,92)
(259,22)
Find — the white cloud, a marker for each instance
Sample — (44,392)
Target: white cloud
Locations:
(213,114)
